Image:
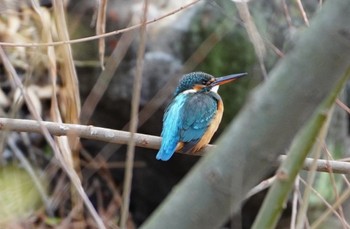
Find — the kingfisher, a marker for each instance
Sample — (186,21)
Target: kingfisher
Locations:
(194,114)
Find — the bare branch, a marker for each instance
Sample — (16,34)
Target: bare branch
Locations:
(324,165)
(261,186)
(83,131)
(141,140)
(328,166)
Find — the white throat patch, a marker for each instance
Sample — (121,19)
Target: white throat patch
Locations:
(189,91)
(215,89)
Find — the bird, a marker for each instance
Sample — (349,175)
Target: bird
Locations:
(193,115)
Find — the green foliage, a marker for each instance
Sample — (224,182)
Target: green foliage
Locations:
(53,221)
(18,194)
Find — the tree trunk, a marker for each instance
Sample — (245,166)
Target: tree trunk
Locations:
(265,127)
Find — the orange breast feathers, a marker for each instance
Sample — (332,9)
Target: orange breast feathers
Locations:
(211,129)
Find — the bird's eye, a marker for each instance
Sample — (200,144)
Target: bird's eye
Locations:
(205,82)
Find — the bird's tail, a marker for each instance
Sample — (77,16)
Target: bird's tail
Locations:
(167,149)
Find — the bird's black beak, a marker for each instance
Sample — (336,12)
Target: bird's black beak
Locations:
(227,79)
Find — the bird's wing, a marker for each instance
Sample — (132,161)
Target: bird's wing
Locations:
(185,120)
(197,114)
(172,122)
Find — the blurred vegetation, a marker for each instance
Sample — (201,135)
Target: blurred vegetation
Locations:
(18,195)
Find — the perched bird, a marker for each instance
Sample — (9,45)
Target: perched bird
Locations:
(194,115)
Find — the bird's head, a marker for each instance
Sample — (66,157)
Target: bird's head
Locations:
(200,81)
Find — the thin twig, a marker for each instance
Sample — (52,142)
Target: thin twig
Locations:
(101,29)
(342,105)
(295,203)
(324,165)
(300,202)
(329,206)
(330,157)
(135,103)
(301,218)
(335,187)
(253,34)
(286,13)
(303,13)
(331,209)
(265,184)
(91,38)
